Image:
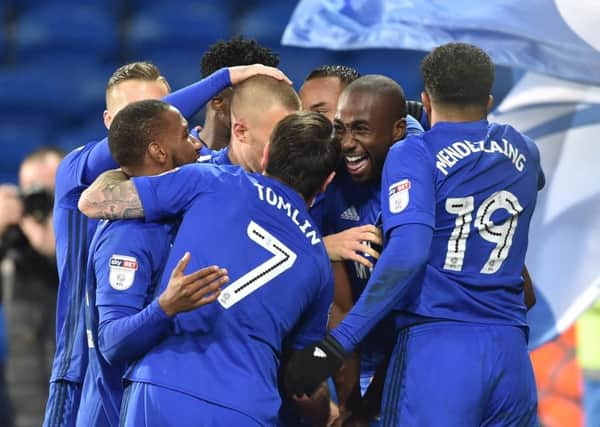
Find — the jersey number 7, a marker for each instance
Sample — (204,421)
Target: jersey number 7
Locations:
(282,260)
(500,234)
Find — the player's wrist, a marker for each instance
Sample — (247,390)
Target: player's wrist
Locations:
(165,305)
(342,344)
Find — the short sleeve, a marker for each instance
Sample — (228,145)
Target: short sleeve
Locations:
(408,189)
(123,265)
(171,193)
(314,320)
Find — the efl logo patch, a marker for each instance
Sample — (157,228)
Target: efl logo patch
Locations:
(399,196)
(122,272)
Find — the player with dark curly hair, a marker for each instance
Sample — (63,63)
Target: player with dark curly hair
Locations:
(228,53)
(456,205)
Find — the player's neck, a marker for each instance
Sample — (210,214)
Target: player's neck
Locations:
(457,114)
(308,203)
(143,170)
(233,153)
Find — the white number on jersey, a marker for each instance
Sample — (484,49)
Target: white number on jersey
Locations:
(283,259)
(500,234)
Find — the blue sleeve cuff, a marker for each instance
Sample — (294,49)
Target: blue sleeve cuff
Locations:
(157,311)
(340,337)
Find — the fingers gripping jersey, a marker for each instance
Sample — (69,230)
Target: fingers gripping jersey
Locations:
(280,289)
(476,184)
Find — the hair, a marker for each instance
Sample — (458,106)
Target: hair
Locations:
(346,74)
(43,152)
(459,74)
(133,129)
(259,93)
(303,152)
(383,88)
(236,51)
(136,71)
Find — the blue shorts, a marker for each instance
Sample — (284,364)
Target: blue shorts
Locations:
(62,405)
(149,405)
(460,374)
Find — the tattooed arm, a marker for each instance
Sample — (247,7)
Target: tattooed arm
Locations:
(111,196)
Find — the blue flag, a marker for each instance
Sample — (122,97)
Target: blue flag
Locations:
(554,37)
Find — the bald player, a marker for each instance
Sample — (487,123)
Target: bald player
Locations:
(257,105)
(320,93)
(371,116)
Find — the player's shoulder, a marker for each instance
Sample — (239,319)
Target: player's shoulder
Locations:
(134,234)
(414,143)
(514,136)
(75,156)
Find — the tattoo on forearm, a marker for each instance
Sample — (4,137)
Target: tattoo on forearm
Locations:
(112,196)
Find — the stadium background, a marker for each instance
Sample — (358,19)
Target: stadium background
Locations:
(56,56)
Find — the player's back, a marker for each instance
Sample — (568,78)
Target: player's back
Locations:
(485,182)
(280,289)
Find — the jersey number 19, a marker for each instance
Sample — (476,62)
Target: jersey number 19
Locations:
(500,234)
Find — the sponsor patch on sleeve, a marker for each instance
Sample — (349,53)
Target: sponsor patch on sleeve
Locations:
(399,195)
(122,272)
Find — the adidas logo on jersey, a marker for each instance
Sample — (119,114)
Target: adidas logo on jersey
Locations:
(319,353)
(350,214)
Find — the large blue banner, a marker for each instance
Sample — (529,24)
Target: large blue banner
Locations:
(554,37)
(559,38)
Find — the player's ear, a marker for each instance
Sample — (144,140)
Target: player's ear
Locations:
(156,152)
(107,119)
(426,100)
(490,102)
(216,103)
(239,129)
(399,129)
(265,157)
(327,182)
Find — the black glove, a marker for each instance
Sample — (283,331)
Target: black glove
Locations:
(309,367)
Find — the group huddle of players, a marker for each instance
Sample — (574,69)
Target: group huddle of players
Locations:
(339,257)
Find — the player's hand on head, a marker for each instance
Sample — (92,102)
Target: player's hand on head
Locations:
(354,244)
(309,367)
(240,73)
(186,292)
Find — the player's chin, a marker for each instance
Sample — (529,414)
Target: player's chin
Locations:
(362,174)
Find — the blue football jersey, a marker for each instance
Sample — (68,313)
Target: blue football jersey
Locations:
(350,204)
(74,233)
(126,262)
(280,289)
(475,184)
